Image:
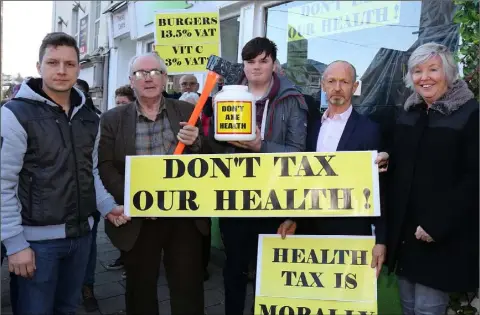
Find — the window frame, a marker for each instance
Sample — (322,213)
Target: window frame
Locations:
(75,23)
(96,24)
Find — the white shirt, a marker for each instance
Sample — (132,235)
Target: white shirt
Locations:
(332,130)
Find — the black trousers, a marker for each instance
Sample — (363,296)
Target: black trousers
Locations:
(181,243)
(240,238)
(206,247)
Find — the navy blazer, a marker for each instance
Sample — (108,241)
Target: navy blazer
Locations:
(360,134)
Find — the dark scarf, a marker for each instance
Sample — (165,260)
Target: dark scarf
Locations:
(260,104)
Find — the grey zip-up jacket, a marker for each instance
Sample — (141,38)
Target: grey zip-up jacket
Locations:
(285,125)
(49,178)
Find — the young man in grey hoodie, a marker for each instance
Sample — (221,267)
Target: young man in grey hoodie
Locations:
(50,184)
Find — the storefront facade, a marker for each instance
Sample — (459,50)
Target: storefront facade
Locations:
(377,37)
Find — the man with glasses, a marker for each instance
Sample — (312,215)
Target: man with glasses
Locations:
(153,125)
(189,83)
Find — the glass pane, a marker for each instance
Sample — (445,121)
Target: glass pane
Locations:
(74,21)
(97,9)
(229,32)
(95,39)
(312,34)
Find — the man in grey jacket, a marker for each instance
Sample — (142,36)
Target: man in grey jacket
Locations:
(50,183)
(283,128)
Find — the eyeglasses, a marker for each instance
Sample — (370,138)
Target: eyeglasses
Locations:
(142,74)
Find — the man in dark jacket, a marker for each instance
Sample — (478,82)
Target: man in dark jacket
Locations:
(89,301)
(153,125)
(341,128)
(83,86)
(50,184)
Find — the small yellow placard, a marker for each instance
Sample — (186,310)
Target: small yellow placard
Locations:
(234,118)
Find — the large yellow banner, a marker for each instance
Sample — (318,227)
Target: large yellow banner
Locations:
(253,185)
(306,274)
(186,40)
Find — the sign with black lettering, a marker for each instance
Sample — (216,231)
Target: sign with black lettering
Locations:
(186,40)
(233,117)
(315,275)
(323,18)
(253,185)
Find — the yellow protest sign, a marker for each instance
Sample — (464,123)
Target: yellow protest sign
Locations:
(324,18)
(315,275)
(283,306)
(186,40)
(253,185)
(308,267)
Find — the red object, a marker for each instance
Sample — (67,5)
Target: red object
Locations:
(212,78)
(205,124)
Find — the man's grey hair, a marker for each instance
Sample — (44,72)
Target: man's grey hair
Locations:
(427,51)
(354,71)
(153,54)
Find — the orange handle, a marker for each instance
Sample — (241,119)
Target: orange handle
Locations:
(212,78)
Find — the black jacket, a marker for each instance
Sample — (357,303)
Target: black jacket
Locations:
(434,184)
(360,134)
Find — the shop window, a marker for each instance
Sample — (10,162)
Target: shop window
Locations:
(229,33)
(377,37)
(312,34)
(97,11)
(150,46)
(75,23)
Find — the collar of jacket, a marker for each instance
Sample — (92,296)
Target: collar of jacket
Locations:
(451,101)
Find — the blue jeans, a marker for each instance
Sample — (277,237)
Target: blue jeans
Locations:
(418,299)
(89,279)
(56,285)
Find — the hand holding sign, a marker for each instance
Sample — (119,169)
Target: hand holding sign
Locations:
(287,228)
(379,252)
(117,216)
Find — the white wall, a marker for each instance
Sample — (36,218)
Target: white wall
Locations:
(63,9)
(126,50)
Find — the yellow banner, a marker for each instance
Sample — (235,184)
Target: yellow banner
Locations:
(331,268)
(186,40)
(277,306)
(324,18)
(253,185)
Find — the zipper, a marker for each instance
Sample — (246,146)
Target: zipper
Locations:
(61,133)
(70,112)
(30,197)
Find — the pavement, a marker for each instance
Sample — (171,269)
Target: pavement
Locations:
(110,287)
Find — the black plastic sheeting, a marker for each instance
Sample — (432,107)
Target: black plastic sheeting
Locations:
(383,88)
